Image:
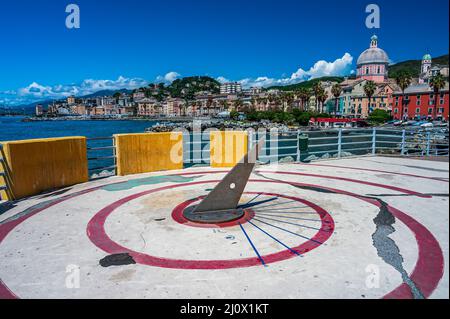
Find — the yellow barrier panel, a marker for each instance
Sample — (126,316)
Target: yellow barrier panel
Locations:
(149,152)
(35,166)
(228,148)
(4,195)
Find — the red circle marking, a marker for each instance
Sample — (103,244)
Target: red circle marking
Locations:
(427,273)
(97,234)
(178,216)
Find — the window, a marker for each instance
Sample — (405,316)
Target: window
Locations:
(441,110)
(418,101)
(418,110)
(395,110)
(441,102)
(430,110)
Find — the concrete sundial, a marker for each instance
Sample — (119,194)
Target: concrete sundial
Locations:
(222,203)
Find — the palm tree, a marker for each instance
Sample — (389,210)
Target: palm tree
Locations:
(185,106)
(224,105)
(209,104)
(369,89)
(403,80)
(322,97)
(286,100)
(238,104)
(307,93)
(317,90)
(337,91)
(437,83)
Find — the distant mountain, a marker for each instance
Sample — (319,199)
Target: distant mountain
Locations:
(30,108)
(413,66)
(105,93)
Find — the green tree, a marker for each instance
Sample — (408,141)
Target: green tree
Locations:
(369,89)
(234,115)
(322,97)
(403,80)
(437,83)
(317,91)
(336,90)
(117,95)
(238,104)
(379,116)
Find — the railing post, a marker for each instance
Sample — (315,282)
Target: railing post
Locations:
(428,143)
(250,140)
(403,142)
(298,146)
(340,143)
(115,155)
(374,141)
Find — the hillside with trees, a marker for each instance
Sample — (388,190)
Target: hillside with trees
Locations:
(307,84)
(185,88)
(413,66)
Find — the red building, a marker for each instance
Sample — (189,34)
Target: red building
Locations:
(419,103)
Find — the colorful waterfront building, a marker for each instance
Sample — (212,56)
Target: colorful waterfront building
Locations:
(373,63)
(420,103)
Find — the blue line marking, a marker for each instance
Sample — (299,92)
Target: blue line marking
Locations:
(288,231)
(257,203)
(286,208)
(289,217)
(278,241)
(304,226)
(253,199)
(280,204)
(253,246)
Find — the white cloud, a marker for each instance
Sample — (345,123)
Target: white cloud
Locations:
(339,67)
(168,78)
(222,79)
(37,92)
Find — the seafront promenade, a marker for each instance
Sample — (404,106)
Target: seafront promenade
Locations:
(371,227)
(361,227)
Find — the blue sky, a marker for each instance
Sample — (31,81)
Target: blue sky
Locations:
(260,42)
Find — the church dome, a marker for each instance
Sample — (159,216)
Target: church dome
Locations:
(374,54)
(426,57)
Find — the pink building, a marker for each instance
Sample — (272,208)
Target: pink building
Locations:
(373,63)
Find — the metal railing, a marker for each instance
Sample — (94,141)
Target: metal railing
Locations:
(338,143)
(196,149)
(277,146)
(101,157)
(348,142)
(102,160)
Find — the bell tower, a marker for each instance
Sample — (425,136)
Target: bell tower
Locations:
(374,42)
(425,68)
